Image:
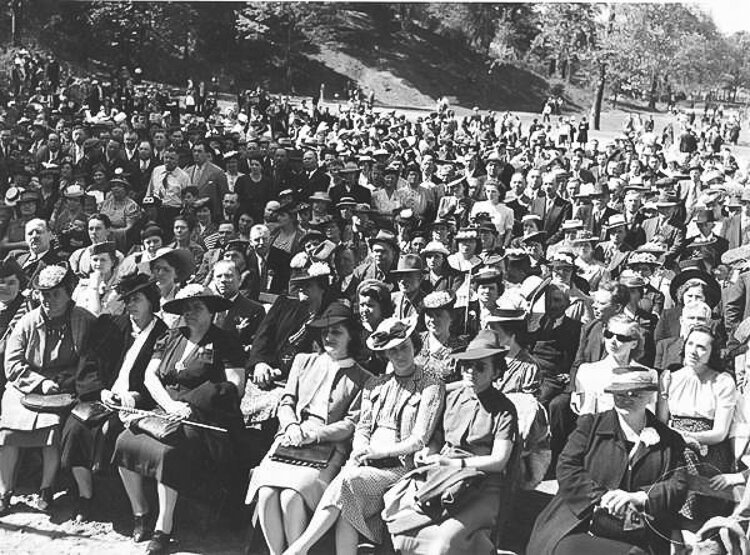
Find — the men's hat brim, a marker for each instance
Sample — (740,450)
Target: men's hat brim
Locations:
(477,354)
(214,303)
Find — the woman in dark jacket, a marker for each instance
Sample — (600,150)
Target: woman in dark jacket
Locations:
(620,461)
(124,350)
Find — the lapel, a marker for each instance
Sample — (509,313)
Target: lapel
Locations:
(642,450)
(610,426)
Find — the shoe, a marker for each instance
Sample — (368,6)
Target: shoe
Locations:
(141,529)
(44,499)
(159,543)
(82,509)
(5,505)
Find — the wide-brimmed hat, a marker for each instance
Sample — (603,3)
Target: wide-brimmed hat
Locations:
(505,315)
(336,313)
(385,237)
(585,236)
(409,264)
(73,191)
(435,247)
(713,289)
(317,271)
(531,217)
(487,274)
(615,221)
(391,333)
(196,292)
(54,275)
(562,259)
(485,344)
(643,258)
(321,196)
(180,259)
(712,175)
(666,199)
(467,234)
(534,237)
(438,300)
(345,202)
(631,280)
(570,225)
(106,247)
(738,254)
(133,283)
(632,378)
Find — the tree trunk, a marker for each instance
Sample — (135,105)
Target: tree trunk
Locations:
(597,112)
(14,34)
(652,93)
(288,58)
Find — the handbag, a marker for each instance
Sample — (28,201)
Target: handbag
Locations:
(629,528)
(161,429)
(90,412)
(447,489)
(315,455)
(55,403)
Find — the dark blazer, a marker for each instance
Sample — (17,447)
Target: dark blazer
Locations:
(669,354)
(317,181)
(253,196)
(594,461)
(257,280)
(554,347)
(361,194)
(585,213)
(285,318)
(242,319)
(114,335)
(671,233)
(560,211)
(590,346)
(31,269)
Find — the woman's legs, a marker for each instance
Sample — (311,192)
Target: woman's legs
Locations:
(133,483)
(50,464)
(294,514)
(8,462)
(322,521)
(347,538)
(167,502)
(271,519)
(84,480)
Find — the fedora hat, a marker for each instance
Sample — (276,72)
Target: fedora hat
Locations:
(321,196)
(487,274)
(133,283)
(180,259)
(632,378)
(643,257)
(391,333)
(435,247)
(570,225)
(485,344)
(631,280)
(502,315)
(666,200)
(73,191)
(534,237)
(196,292)
(584,236)
(344,202)
(615,221)
(385,237)
(336,313)
(408,264)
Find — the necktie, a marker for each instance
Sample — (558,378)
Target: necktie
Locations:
(165,182)
(144,165)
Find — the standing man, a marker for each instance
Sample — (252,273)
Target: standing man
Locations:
(167,183)
(207,177)
(552,209)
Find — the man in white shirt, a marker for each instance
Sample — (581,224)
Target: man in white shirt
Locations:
(167,183)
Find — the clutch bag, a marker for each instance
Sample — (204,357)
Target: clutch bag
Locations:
(56,403)
(90,412)
(161,429)
(314,455)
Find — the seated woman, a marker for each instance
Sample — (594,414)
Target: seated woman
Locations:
(195,373)
(122,210)
(479,429)
(97,293)
(122,350)
(399,413)
(699,402)
(375,305)
(523,374)
(42,355)
(616,464)
(320,405)
(171,269)
(623,343)
(438,342)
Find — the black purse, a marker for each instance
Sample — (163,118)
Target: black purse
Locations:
(90,412)
(161,429)
(630,528)
(314,455)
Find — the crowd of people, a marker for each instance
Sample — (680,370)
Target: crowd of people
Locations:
(380,326)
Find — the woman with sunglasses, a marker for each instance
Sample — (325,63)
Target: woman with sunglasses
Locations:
(699,402)
(617,465)
(624,344)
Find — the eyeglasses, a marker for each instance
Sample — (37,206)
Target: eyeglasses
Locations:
(621,338)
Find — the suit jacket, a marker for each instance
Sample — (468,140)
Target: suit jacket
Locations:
(285,318)
(257,280)
(242,319)
(554,347)
(211,183)
(590,346)
(42,155)
(317,181)
(737,302)
(671,233)
(613,257)
(594,461)
(585,213)
(141,178)
(343,394)
(30,269)
(669,354)
(361,194)
(732,231)
(552,221)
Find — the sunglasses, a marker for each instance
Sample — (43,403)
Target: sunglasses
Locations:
(621,338)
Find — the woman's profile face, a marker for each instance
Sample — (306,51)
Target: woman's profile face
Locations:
(438,322)
(618,339)
(336,340)
(370,311)
(697,349)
